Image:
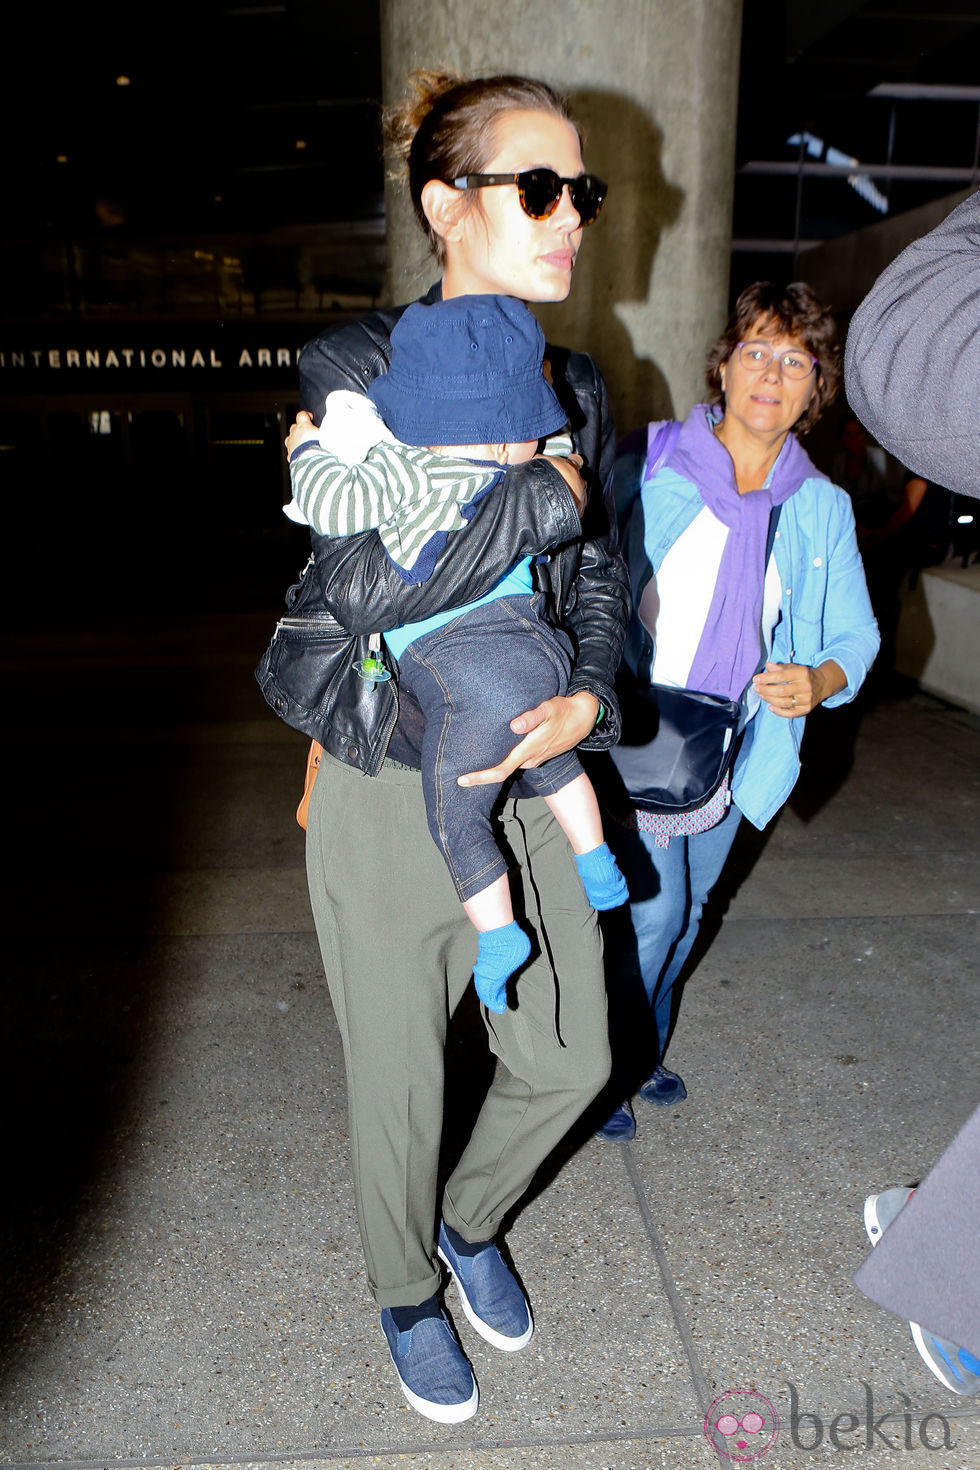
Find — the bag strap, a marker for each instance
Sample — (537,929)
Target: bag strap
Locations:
(770,543)
(312,767)
(771,536)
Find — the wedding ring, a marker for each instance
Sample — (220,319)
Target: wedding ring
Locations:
(793,697)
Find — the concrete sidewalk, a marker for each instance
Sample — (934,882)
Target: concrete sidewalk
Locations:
(183,1281)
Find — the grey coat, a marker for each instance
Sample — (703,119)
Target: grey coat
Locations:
(912,363)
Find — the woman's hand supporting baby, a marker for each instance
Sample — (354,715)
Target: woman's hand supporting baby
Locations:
(551,728)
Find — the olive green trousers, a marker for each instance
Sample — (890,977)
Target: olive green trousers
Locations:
(398,953)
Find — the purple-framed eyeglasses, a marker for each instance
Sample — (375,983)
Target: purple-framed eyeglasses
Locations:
(756,356)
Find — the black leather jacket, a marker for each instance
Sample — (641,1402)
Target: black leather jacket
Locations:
(349,588)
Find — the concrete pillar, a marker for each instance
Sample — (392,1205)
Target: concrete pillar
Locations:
(655,83)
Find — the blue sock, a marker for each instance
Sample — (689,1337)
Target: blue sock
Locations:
(405,1318)
(464,1247)
(605,886)
(501,952)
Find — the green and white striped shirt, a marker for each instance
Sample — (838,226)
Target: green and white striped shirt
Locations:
(406,493)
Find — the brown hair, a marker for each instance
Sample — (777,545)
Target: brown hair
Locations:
(792,311)
(446,128)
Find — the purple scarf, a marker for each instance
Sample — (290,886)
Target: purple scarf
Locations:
(728,653)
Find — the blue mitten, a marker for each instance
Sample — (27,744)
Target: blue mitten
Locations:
(501,952)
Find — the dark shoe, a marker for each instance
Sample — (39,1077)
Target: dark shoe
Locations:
(663,1088)
(620,1126)
(432,1369)
(491,1295)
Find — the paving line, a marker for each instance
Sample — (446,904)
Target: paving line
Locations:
(701,1388)
(381,1452)
(377,1452)
(361,1451)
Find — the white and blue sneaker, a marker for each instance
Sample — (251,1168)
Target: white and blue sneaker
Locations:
(492,1298)
(956,1368)
(881,1209)
(435,1377)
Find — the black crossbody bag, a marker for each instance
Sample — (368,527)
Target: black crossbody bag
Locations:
(677,744)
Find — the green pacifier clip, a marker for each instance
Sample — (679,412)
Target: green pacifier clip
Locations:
(372,669)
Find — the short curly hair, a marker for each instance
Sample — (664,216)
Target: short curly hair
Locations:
(792,311)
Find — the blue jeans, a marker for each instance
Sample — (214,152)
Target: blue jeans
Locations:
(668,889)
(471,677)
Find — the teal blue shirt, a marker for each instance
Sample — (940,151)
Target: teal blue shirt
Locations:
(516,583)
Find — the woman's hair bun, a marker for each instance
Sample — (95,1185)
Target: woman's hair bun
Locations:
(401,121)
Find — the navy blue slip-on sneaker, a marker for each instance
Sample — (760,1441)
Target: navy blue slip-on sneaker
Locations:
(620,1126)
(432,1369)
(663,1088)
(491,1295)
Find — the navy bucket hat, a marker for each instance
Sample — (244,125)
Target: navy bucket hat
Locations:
(467,371)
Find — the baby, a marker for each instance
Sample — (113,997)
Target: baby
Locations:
(464,395)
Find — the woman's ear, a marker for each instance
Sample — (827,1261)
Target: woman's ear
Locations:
(444,208)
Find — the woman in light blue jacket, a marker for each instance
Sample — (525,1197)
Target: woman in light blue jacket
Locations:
(699,504)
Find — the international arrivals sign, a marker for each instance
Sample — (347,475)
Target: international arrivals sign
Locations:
(147,359)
